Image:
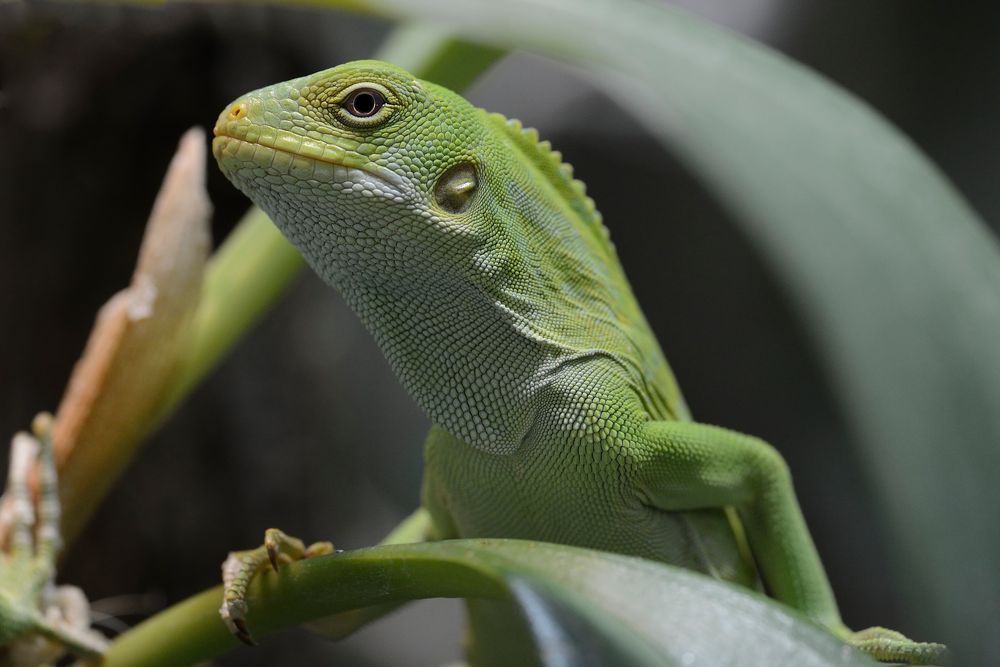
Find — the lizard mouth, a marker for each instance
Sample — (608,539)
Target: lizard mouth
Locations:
(245,147)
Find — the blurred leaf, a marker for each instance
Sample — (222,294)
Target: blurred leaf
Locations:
(248,272)
(627,611)
(562,636)
(134,349)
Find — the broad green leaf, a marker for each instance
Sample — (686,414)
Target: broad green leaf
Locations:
(606,608)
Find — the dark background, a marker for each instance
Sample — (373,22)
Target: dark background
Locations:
(304,426)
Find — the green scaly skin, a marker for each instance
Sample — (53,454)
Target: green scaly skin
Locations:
(488,280)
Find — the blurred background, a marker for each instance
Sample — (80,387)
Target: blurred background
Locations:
(304,426)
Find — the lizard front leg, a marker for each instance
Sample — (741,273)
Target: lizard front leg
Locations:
(240,568)
(688,466)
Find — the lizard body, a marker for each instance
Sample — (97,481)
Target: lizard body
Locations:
(488,279)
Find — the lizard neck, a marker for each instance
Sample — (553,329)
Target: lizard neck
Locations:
(459,356)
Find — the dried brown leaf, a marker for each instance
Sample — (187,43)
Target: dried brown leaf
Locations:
(138,338)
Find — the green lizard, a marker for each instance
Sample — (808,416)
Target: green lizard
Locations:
(486,276)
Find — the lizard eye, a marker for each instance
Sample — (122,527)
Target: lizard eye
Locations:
(364,102)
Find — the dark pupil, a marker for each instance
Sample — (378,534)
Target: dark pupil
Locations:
(364,104)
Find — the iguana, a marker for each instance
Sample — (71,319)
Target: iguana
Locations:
(488,279)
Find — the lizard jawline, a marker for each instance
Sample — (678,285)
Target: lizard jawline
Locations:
(227,148)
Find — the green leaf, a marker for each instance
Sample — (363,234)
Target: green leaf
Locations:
(607,608)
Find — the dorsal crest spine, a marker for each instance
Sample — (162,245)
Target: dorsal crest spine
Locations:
(559,173)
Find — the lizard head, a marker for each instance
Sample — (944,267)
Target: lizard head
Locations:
(461,240)
(366,169)
(394,190)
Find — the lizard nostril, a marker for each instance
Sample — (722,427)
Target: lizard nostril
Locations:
(238,111)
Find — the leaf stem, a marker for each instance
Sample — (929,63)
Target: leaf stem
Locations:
(191,631)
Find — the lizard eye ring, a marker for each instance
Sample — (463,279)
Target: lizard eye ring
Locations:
(364,102)
(364,105)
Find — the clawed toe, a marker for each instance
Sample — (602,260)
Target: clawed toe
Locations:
(240,567)
(890,646)
(233,614)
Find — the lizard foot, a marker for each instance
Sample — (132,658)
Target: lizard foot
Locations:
(893,647)
(241,567)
